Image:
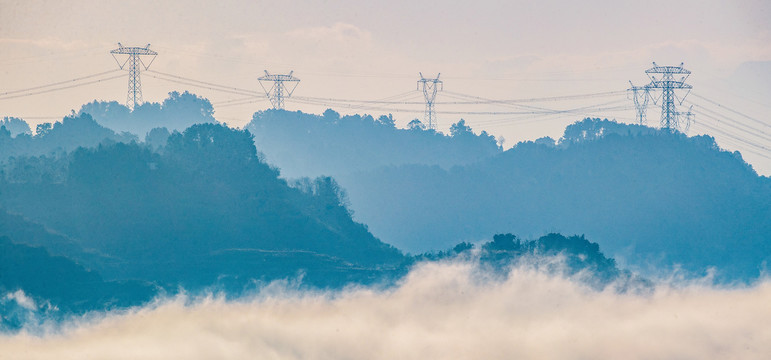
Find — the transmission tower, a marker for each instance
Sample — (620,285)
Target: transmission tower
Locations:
(430,87)
(278,91)
(669,114)
(133,61)
(640,96)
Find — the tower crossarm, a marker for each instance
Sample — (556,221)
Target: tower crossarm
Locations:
(134,50)
(135,65)
(668,69)
(674,84)
(278,91)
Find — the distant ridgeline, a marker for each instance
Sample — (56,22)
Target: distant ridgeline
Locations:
(61,137)
(177,112)
(651,198)
(105,122)
(303,144)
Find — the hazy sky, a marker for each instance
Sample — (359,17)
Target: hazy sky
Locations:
(372,50)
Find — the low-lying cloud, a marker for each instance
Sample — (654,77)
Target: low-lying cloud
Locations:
(440,311)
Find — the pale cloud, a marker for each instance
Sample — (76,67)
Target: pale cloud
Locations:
(339,32)
(20,298)
(51,43)
(441,311)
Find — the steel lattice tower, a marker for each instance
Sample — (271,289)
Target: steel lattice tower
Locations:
(278,91)
(134,61)
(430,87)
(640,96)
(669,114)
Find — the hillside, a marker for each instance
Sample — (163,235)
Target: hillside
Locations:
(60,137)
(303,144)
(650,198)
(202,210)
(57,286)
(177,112)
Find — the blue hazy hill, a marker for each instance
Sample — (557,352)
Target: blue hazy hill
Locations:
(566,255)
(303,144)
(15,126)
(60,285)
(176,112)
(205,208)
(651,198)
(60,137)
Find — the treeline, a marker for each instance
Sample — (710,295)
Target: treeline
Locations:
(570,256)
(655,199)
(310,145)
(61,137)
(175,113)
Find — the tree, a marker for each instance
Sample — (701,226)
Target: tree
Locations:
(387,120)
(460,128)
(157,137)
(43,129)
(16,126)
(416,125)
(330,192)
(331,115)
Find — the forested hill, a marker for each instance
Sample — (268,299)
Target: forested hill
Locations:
(310,145)
(203,208)
(177,112)
(649,197)
(60,137)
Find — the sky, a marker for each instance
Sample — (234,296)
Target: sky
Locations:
(447,310)
(354,50)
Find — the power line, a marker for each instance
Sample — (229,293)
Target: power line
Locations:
(58,83)
(250,98)
(732,110)
(60,88)
(184,82)
(732,123)
(764,153)
(491,101)
(360,101)
(226,87)
(243,102)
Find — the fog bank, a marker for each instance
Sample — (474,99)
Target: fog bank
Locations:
(440,311)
